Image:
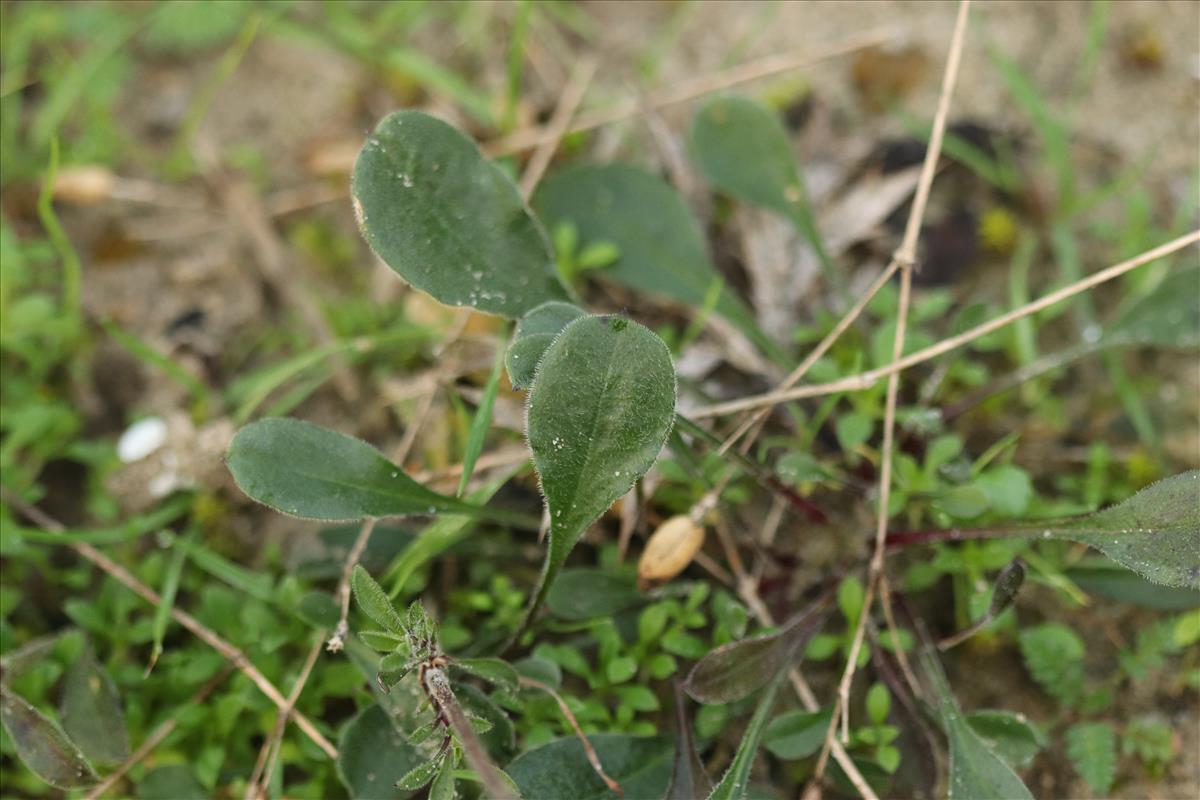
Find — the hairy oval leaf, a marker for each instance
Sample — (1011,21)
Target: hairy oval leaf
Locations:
(560,769)
(534,334)
(373,756)
(742,148)
(600,410)
(448,221)
(308,471)
(662,247)
(91,711)
(42,745)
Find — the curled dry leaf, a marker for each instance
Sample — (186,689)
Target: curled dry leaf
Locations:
(669,550)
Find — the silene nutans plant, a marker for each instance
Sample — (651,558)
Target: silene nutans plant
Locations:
(601,404)
(675,664)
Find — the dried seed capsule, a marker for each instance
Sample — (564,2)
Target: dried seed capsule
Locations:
(84,185)
(669,550)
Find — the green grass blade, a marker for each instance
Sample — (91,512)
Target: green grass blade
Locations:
(481,423)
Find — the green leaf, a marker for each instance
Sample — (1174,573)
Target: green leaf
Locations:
(850,597)
(375,603)
(797,734)
(533,336)
(1011,735)
(1155,533)
(448,221)
(662,248)
(442,534)
(879,703)
(171,782)
(1008,488)
(91,711)
(373,756)
(742,149)
(620,669)
(170,585)
(732,671)
(307,471)
(735,781)
(480,424)
(1092,748)
(964,502)
(560,769)
(1053,654)
(1004,591)
(319,609)
(42,746)
(1166,317)
(852,430)
(540,669)
(492,670)
(418,776)
(689,779)
(585,593)
(1109,580)
(976,771)
(600,411)
(443,784)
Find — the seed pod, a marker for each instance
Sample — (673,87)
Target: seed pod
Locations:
(84,185)
(669,550)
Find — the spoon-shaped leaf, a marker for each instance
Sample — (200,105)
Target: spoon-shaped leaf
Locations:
(308,471)
(560,769)
(448,221)
(732,671)
(1155,533)
(662,247)
(742,149)
(42,745)
(600,410)
(373,755)
(91,711)
(976,771)
(533,335)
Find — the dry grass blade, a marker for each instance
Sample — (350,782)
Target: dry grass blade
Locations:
(868,379)
(338,639)
(592,757)
(563,114)
(905,257)
(203,633)
(690,90)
